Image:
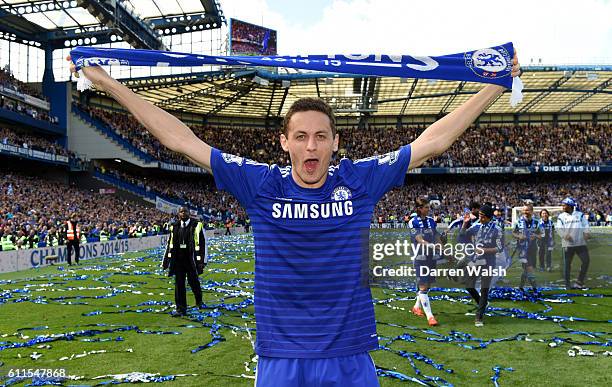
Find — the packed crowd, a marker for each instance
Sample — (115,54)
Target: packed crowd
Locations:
(197,193)
(32,141)
(22,108)
(130,130)
(32,208)
(37,207)
(486,146)
(452,194)
(9,81)
(481,146)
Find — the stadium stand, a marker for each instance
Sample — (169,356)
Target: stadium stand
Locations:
(39,204)
(482,146)
(34,141)
(8,80)
(11,87)
(453,192)
(197,192)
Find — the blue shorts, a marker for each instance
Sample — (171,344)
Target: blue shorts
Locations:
(430,263)
(344,371)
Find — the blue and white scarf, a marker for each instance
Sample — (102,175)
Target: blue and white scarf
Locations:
(486,65)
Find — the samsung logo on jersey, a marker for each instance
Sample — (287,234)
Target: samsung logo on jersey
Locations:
(312,210)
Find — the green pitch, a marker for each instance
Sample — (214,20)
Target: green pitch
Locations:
(111,316)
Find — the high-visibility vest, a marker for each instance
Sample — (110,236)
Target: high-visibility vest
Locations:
(83,239)
(196,238)
(70,234)
(23,243)
(52,240)
(7,243)
(198,228)
(34,241)
(103,236)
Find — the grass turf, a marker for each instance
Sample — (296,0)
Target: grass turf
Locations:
(137,297)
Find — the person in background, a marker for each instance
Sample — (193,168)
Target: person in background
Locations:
(185,256)
(573,228)
(33,239)
(52,238)
(423,232)
(526,233)
(73,238)
(489,236)
(547,243)
(228,226)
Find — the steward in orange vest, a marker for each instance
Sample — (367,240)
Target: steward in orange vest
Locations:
(73,236)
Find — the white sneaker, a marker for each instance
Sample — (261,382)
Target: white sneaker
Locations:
(478,323)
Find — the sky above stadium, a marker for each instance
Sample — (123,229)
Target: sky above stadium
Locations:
(557,32)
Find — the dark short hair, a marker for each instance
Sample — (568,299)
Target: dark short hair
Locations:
(309,105)
(487,211)
(474,205)
(421,202)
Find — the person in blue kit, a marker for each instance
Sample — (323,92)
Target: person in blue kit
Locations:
(527,232)
(471,214)
(424,234)
(502,259)
(473,210)
(315,319)
(489,237)
(547,243)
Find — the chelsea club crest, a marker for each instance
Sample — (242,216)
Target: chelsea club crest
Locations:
(341,193)
(489,62)
(229,158)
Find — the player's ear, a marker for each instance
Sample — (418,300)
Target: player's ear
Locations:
(336,141)
(283,141)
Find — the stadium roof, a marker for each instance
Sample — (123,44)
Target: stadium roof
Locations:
(141,23)
(257,93)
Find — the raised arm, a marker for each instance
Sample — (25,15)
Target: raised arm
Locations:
(168,129)
(438,137)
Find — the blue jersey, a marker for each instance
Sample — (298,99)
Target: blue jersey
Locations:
(487,235)
(310,300)
(527,228)
(502,224)
(547,228)
(499,221)
(458,223)
(424,227)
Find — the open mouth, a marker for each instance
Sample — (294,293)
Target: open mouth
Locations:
(311,165)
